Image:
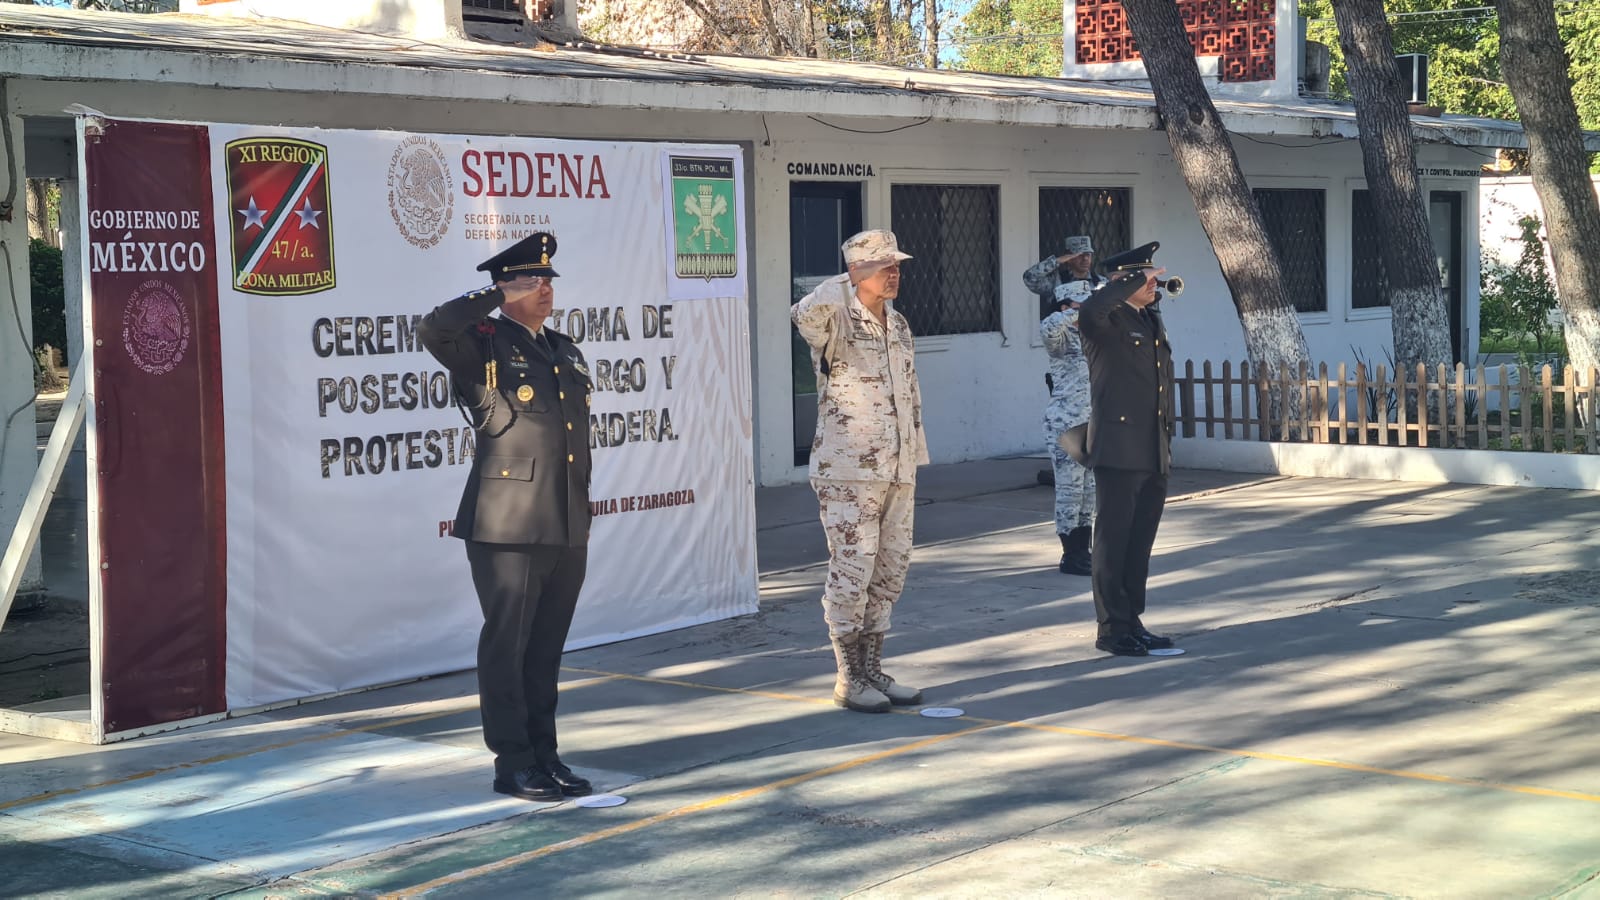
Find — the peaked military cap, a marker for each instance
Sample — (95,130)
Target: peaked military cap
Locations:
(529,256)
(1137,258)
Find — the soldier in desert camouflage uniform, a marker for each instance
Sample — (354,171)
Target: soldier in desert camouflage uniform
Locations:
(864,459)
(1069,406)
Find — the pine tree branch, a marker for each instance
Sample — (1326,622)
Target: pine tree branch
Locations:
(712,22)
(779,43)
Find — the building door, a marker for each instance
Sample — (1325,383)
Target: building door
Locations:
(1444,224)
(821,215)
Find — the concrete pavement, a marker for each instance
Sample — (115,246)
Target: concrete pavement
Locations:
(1390,690)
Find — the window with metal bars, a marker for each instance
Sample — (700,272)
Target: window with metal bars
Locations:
(1369,281)
(1296,223)
(953,230)
(1100,213)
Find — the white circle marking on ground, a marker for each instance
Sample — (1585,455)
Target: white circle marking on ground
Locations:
(600,801)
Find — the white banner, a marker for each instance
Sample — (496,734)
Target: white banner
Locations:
(345,461)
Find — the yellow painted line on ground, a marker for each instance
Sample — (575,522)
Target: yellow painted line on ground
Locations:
(678,813)
(335,732)
(1297,760)
(1176,745)
(1303,761)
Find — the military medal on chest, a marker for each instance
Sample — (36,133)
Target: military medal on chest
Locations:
(525,393)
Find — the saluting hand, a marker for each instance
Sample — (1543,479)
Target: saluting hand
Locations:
(522,287)
(1146,294)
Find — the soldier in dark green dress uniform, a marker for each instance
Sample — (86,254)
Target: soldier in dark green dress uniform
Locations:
(525,511)
(1128,443)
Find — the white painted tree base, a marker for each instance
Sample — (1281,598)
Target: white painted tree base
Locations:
(1419,464)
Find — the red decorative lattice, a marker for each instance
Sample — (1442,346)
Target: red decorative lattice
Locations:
(1242,32)
(1263,39)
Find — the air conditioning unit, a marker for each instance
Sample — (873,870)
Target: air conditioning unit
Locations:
(1413,77)
(508,11)
(520,21)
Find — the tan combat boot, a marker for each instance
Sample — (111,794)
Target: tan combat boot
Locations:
(851,690)
(872,662)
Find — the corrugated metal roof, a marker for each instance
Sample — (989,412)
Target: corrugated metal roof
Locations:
(943,95)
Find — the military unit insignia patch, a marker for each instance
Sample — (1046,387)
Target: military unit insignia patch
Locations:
(282,223)
(705,218)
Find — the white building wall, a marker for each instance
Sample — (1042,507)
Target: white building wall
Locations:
(19,457)
(983,393)
(425,19)
(1505,201)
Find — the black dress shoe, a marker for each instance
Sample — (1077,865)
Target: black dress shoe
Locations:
(1152,641)
(529,784)
(570,783)
(1122,645)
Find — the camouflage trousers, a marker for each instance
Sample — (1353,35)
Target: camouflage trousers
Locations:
(1074,483)
(868,524)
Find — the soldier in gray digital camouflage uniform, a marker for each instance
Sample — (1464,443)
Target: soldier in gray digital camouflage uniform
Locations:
(1076,263)
(864,459)
(1069,406)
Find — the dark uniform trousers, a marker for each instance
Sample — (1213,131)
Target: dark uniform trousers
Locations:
(528,594)
(524,512)
(1129,512)
(1130,429)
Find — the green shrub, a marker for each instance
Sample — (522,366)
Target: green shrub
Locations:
(49,296)
(1515,302)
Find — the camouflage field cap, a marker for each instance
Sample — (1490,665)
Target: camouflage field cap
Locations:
(529,256)
(872,247)
(1072,292)
(1079,243)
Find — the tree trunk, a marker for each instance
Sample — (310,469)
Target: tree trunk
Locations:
(930,33)
(905,36)
(1534,63)
(1418,315)
(815,48)
(776,43)
(714,25)
(883,30)
(1222,198)
(39,212)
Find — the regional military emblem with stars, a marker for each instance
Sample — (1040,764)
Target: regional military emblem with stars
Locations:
(282,216)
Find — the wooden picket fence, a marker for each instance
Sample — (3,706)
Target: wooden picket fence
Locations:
(1497,407)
